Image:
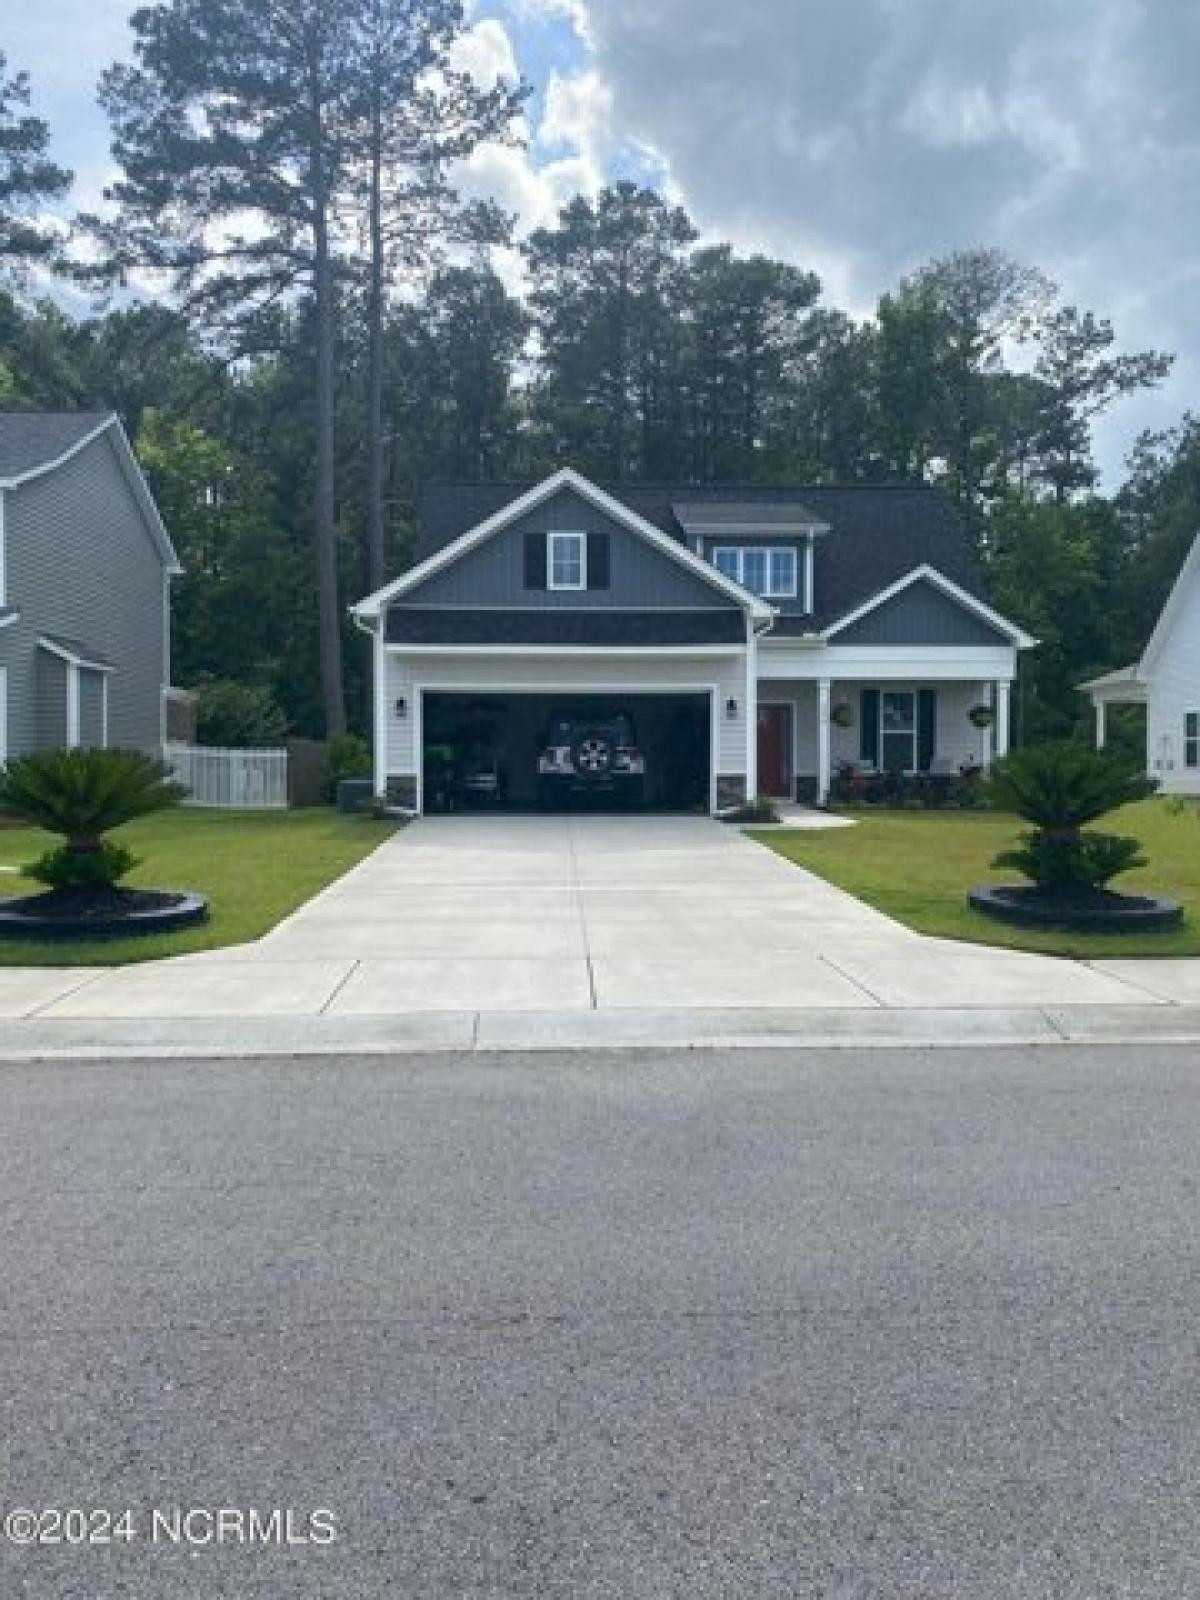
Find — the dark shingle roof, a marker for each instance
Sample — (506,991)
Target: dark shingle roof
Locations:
(876,535)
(32,439)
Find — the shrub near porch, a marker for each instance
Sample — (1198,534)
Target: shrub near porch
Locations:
(255,868)
(916,866)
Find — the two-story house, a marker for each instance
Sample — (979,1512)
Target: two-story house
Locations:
(85,575)
(752,640)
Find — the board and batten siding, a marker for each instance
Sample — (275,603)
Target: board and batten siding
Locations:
(1174,691)
(82,564)
(493,574)
(514,674)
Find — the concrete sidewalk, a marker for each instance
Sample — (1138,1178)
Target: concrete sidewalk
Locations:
(595,922)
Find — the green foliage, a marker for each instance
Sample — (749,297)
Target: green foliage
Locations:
(242,716)
(1062,787)
(1072,862)
(84,794)
(347,756)
(98,867)
(28,178)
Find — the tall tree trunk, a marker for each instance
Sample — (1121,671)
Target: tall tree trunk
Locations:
(376,535)
(329,620)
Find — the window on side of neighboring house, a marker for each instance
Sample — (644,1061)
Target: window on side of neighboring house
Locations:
(1191,739)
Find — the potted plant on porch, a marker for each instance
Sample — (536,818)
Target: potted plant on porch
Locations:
(1060,788)
(82,795)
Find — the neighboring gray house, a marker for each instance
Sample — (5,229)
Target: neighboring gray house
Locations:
(739,640)
(85,574)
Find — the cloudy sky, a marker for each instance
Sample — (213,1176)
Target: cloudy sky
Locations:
(857,137)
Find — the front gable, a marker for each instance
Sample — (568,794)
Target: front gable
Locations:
(501,571)
(921,615)
(637,568)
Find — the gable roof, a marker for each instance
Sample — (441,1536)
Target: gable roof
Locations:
(33,443)
(517,504)
(1189,573)
(938,580)
(877,534)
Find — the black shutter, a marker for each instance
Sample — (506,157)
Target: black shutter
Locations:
(868,721)
(597,561)
(926,728)
(535,560)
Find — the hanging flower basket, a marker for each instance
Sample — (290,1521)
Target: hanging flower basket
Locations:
(842,715)
(982,716)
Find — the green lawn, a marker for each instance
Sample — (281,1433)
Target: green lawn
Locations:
(918,865)
(254,866)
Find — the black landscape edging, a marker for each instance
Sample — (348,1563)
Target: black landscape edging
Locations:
(184,911)
(1109,913)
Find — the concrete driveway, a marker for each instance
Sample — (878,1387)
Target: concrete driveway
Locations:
(479,914)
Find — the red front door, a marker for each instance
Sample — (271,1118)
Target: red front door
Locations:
(774,750)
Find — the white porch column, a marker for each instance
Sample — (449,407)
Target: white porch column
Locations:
(824,764)
(751,711)
(1101,723)
(379,661)
(987,739)
(1003,710)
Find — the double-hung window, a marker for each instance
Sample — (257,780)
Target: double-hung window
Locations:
(1191,739)
(766,570)
(898,730)
(566,566)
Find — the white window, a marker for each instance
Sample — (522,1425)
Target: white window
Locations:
(567,564)
(897,731)
(767,570)
(1191,739)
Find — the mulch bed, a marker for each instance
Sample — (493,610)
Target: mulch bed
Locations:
(98,913)
(1102,911)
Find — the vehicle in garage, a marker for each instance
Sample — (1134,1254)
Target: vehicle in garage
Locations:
(591,756)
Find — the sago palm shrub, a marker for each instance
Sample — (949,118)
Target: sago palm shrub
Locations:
(83,795)
(1060,788)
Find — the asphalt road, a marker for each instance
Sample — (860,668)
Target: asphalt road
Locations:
(900,1324)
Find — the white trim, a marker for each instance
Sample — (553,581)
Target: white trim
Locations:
(927,574)
(423,686)
(3,715)
(409,648)
(73,670)
(1162,628)
(751,712)
(133,471)
(1003,716)
(13,616)
(71,657)
(104,711)
(3,553)
(564,478)
(808,575)
(580,539)
(824,741)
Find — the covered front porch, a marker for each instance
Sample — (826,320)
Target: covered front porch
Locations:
(810,732)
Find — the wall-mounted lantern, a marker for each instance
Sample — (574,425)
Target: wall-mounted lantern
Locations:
(401,708)
(731,709)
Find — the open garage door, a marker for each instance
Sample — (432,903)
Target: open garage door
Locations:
(596,752)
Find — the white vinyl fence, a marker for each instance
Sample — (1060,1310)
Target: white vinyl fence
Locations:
(241,780)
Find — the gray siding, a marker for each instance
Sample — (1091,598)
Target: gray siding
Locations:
(83,565)
(921,614)
(47,706)
(494,573)
(91,710)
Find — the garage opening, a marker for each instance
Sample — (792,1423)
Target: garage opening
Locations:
(566,752)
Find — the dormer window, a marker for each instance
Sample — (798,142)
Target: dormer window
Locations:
(768,571)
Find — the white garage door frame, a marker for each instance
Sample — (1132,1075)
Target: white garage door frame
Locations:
(426,686)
